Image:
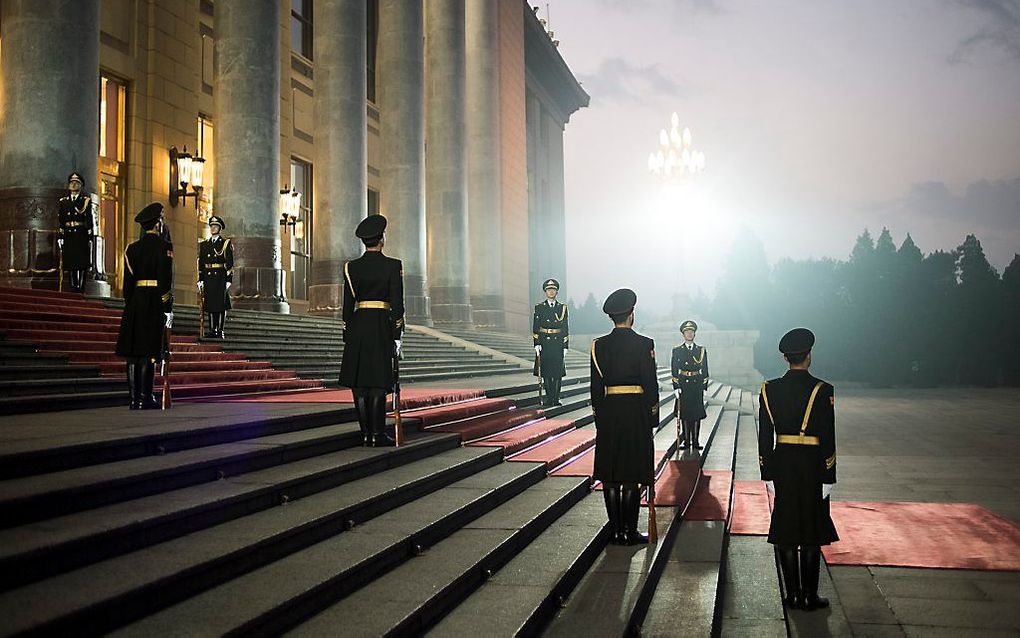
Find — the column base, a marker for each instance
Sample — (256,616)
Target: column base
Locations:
(259,282)
(325,300)
(487,312)
(450,306)
(417,305)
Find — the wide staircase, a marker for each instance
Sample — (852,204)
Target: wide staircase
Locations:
(485,522)
(57,352)
(520,346)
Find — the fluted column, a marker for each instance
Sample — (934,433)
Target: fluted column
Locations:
(402,137)
(49,126)
(247,138)
(445,165)
(483,160)
(341,165)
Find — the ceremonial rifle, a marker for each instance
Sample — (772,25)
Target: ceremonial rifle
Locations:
(541,380)
(398,434)
(201,313)
(653,527)
(60,283)
(165,403)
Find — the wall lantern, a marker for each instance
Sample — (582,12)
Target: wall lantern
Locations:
(290,207)
(185,170)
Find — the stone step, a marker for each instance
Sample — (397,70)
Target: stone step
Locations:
(414,596)
(62,386)
(270,599)
(40,403)
(46,369)
(77,539)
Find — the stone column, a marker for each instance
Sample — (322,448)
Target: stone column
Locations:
(247,138)
(445,166)
(341,146)
(483,160)
(402,137)
(557,212)
(49,126)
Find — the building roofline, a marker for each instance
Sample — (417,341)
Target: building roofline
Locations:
(547,66)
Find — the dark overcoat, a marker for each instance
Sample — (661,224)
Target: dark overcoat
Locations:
(690,375)
(215,269)
(550,329)
(797,450)
(373,313)
(148,281)
(624,423)
(77,230)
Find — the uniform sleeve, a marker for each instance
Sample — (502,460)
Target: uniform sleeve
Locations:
(826,411)
(566,327)
(228,255)
(704,366)
(649,379)
(91,222)
(534,327)
(766,437)
(129,279)
(62,220)
(165,277)
(597,387)
(397,300)
(348,302)
(674,365)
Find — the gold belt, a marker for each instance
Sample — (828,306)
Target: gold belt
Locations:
(797,439)
(74,224)
(550,331)
(624,389)
(147,283)
(213,266)
(690,373)
(372,305)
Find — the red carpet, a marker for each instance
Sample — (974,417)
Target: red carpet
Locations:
(712,500)
(484,425)
(584,465)
(517,439)
(675,485)
(938,535)
(441,414)
(558,451)
(412,399)
(752,510)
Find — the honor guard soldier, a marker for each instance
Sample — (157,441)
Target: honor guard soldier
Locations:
(690,380)
(77,232)
(625,401)
(797,454)
(551,335)
(215,274)
(373,313)
(148,306)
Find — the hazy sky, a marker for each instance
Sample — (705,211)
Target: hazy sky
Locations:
(818,118)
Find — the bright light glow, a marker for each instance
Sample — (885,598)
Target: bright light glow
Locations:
(197,172)
(184,167)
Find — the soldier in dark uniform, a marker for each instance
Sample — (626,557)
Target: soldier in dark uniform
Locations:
(690,380)
(552,336)
(797,454)
(373,312)
(77,232)
(215,274)
(148,306)
(625,401)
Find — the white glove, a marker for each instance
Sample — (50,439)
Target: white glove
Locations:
(201,286)
(770,487)
(399,346)
(60,243)
(826,490)
(169,319)
(676,393)
(538,349)
(228,285)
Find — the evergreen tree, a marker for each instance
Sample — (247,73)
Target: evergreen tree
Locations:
(978,311)
(1010,321)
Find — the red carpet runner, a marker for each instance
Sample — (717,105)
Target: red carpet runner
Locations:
(752,510)
(412,398)
(712,500)
(938,535)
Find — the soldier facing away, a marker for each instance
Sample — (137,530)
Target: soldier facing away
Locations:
(551,333)
(148,306)
(689,363)
(215,275)
(77,232)
(625,401)
(797,455)
(373,313)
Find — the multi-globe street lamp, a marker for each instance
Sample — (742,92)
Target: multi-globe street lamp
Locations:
(676,159)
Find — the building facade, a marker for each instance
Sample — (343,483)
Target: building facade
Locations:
(447,116)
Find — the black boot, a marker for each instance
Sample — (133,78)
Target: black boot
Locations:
(791,577)
(611,492)
(361,407)
(377,410)
(696,438)
(810,563)
(631,508)
(686,435)
(133,386)
(149,401)
(554,390)
(210,326)
(220,316)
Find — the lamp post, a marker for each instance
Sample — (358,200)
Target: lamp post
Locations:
(676,159)
(185,170)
